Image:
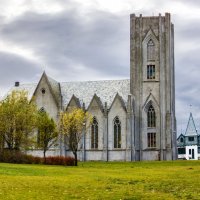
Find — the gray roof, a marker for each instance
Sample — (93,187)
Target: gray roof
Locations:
(55,88)
(106,90)
(30,88)
(191,128)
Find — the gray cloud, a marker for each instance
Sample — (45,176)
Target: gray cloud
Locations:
(15,68)
(194,3)
(67,40)
(70,44)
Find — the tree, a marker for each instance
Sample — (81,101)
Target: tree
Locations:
(72,125)
(17,120)
(1,142)
(47,133)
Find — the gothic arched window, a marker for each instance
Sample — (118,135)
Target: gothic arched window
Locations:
(94,134)
(42,109)
(151,117)
(150,50)
(117,133)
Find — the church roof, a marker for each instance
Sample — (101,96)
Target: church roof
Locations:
(55,86)
(191,128)
(105,90)
(30,88)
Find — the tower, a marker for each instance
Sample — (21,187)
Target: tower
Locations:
(152,86)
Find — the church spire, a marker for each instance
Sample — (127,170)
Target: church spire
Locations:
(191,128)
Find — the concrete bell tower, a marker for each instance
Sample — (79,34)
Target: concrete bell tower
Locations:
(153,87)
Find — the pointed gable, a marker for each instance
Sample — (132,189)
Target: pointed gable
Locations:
(106,90)
(150,100)
(53,86)
(73,103)
(150,35)
(120,99)
(191,128)
(95,102)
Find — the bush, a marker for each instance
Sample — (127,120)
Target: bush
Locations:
(18,157)
(8,156)
(59,160)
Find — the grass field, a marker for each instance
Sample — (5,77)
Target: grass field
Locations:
(100,180)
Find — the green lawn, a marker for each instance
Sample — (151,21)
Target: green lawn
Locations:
(100,180)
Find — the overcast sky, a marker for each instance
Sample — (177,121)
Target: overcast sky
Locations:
(89,40)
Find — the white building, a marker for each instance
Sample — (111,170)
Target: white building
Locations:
(189,143)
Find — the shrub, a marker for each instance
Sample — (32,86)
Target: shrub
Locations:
(59,160)
(18,157)
(8,156)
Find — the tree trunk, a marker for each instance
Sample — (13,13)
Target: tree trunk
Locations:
(76,160)
(44,153)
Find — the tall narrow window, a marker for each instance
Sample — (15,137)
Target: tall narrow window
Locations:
(151,117)
(151,140)
(94,134)
(117,133)
(150,50)
(150,71)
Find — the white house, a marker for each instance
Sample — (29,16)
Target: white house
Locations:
(188,144)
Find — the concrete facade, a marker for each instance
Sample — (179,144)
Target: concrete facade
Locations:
(127,101)
(158,91)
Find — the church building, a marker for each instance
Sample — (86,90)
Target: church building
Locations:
(133,119)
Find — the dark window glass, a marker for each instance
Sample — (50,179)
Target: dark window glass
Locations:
(117,133)
(151,117)
(150,71)
(190,151)
(181,150)
(94,134)
(43,91)
(151,139)
(191,139)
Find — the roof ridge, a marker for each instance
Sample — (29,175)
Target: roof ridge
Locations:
(95,81)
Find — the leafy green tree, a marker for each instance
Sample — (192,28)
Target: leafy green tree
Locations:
(1,142)
(72,125)
(47,132)
(17,120)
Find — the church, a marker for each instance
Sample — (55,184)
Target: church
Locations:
(133,119)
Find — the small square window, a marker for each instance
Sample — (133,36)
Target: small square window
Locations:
(150,71)
(191,139)
(43,91)
(181,150)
